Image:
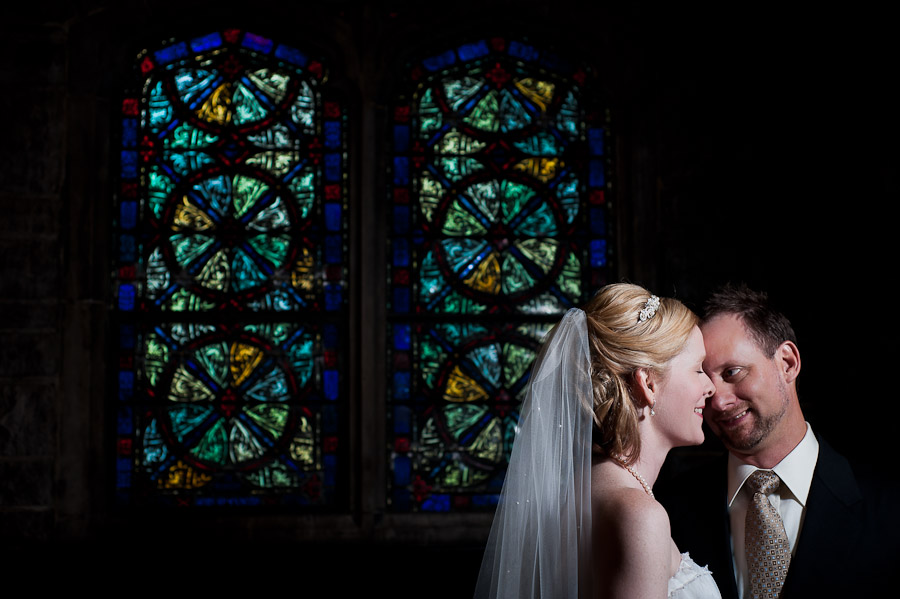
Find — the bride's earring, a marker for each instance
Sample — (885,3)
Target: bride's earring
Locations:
(652,411)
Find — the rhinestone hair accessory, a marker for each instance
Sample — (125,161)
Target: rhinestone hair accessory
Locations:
(649,309)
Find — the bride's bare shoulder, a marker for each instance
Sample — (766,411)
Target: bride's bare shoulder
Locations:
(622,510)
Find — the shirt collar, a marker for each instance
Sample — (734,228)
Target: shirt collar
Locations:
(795,470)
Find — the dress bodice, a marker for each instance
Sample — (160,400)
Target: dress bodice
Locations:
(692,581)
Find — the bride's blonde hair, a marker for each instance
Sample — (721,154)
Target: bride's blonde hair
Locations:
(620,345)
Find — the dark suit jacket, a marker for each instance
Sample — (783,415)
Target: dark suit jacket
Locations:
(848,543)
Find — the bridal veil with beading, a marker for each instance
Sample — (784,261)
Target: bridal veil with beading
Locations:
(540,541)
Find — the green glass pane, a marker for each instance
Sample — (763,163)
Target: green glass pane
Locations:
(192,83)
(185,137)
(431,358)
(457,168)
(213,445)
(247,191)
(186,419)
(461,252)
(430,194)
(246,107)
(512,115)
(159,109)
(183,300)
(458,91)
(272,248)
(540,221)
(271,418)
(517,361)
(540,144)
(303,188)
(275,475)
(430,116)
(189,247)
(245,272)
(516,278)
(277,162)
(303,110)
(154,448)
(485,197)
(568,118)
(272,83)
(245,446)
(184,163)
(275,137)
(514,197)
(157,274)
(541,252)
(301,357)
(159,187)
(455,143)
(485,115)
(569,280)
(214,359)
(569,199)
(486,361)
(277,333)
(216,273)
(546,303)
(273,216)
(156,357)
(460,221)
(186,387)
(270,387)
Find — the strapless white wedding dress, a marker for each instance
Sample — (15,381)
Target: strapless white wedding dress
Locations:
(692,581)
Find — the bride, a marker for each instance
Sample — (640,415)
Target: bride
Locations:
(615,387)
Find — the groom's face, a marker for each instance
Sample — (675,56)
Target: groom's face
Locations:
(751,397)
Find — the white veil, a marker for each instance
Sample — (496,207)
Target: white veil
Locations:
(540,542)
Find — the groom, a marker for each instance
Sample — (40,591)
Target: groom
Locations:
(842,535)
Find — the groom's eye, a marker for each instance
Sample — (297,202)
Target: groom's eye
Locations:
(730,373)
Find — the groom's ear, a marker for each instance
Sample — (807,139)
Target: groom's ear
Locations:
(787,356)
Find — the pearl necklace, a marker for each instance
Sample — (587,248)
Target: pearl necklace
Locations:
(635,474)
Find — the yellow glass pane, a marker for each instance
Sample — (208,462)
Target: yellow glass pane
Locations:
(462,388)
(217,108)
(244,358)
(543,169)
(539,92)
(486,276)
(188,216)
(181,476)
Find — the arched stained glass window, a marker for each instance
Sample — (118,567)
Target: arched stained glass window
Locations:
(230,277)
(498,226)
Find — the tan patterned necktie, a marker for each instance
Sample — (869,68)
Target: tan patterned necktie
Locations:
(768,549)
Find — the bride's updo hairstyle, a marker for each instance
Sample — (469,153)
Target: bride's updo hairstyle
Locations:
(621,344)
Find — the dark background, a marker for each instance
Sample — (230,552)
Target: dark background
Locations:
(755,145)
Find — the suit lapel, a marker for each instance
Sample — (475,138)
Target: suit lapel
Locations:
(831,524)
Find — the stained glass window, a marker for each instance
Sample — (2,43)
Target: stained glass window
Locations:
(498,225)
(230,264)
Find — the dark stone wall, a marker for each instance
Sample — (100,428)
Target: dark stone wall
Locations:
(752,146)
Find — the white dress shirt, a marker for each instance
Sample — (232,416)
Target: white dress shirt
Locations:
(795,472)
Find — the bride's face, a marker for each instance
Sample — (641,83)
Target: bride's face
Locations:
(682,394)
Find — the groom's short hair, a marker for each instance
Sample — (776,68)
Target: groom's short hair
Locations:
(768,327)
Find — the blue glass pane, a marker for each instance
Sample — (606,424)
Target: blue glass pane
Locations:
(207,42)
(129,133)
(126,297)
(332,168)
(401,252)
(401,138)
(330,469)
(597,177)
(291,55)
(402,420)
(128,214)
(332,135)
(598,221)
(402,470)
(401,337)
(124,422)
(332,379)
(333,249)
(129,164)
(334,297)
(523,51)
(595,141)
(126,385)
(401,385)
(440,61)
(436,503)
(173,52)
(401,300)
(401,220)
(258,43)
(332,217)
(476,50)
(598,253)
(401,171)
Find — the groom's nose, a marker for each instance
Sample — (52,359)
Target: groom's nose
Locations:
(721,400)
